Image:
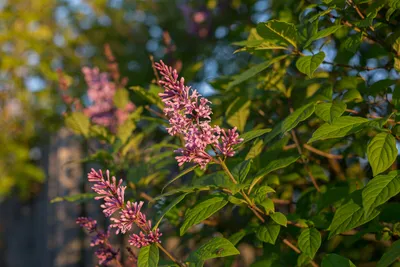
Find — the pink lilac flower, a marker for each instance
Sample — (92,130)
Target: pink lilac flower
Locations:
(143,240)
(130,213)
(100,238)
(88,223)
(101,92)
(189,115)
(105,255)
(104,251)
(109,190)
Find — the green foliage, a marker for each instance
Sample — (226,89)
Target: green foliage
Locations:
(297,182)
(301,114)
(341,127)
(382,152)
(308,64)
(334,260)
(330,111)
(350,215)
(279,218)
(214,248)
(379,190)
(310,241)
(148,256)
(237,113)
(278,31)
(202,211)
(390,256)
(268,233)
(78,122)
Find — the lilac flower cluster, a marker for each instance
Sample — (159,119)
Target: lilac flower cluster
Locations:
(129,213)
(101,91)
(105,253)
(189,115)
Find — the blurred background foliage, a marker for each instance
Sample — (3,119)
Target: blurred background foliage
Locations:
(39,37)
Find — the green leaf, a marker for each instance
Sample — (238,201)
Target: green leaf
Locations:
(248,136)
(299,115)
(255,45)
(330,111)
(215,179)
(261,193)
(278,31)
(334,260)
(202,211)
(341,127)
(148,95)
(279,218)
(303,260)
(382,152)
(237,201)
(148,256)
(268,205)
(78,122)
(125,130)
(253,71)
(188,170)
(352,95)
(321,34)
(353,42)
(273,166)
(268,233)
(390,256)
(238,112)
(310,241)
(215,248)
(255,150)
(236,237)
(241,170)
(121,98)
(75,198)
(379,190)
(185,189)
(308,64)
(350,215)
(168,208)
(380,86)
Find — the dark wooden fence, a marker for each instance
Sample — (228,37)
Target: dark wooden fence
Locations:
(36,233)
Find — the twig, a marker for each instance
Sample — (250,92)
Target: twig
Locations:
(359,12)
(154,68)
(293,247)
(178,262)
(155,112)
(355,67)
(322,153)
(281,201)
(296,141)
(146,196)
(223,165)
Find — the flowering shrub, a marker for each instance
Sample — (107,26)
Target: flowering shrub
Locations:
(306,173)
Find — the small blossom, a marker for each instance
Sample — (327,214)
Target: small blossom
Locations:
(100,238)
(87,223)
(228,141)
(105,255)
(143,240)
(138,240)
(130,213)
(189,115)
(109,190)
(101,92)
(104,251)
